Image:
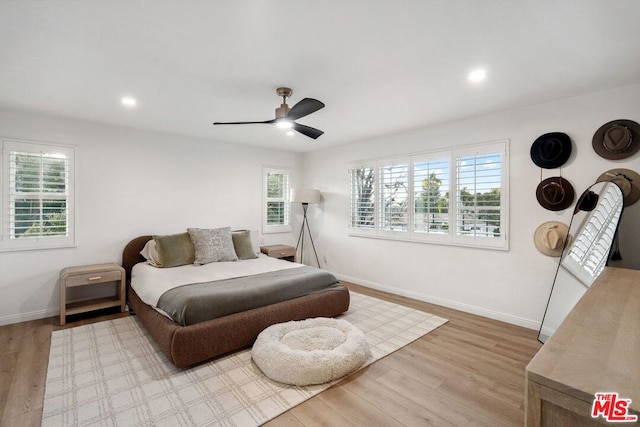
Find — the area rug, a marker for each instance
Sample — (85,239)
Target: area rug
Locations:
(112,374)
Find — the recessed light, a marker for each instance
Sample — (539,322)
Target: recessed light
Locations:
(477,76)
(129,101)
(289,133)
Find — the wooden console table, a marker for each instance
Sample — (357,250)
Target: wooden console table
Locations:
(596,349)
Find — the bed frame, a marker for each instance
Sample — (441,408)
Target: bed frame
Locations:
(192,344)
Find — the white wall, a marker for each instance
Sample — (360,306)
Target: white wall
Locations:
(131,183)
(512,286)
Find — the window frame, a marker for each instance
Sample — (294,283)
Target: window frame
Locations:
(451,237)
(9,243)
(285,199)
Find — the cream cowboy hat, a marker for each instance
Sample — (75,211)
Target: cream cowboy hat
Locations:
(550,238)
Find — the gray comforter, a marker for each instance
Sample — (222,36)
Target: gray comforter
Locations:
(198,302)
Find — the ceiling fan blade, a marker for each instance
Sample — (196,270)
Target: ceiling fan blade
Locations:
(304,107)
(266,122)
(307,130)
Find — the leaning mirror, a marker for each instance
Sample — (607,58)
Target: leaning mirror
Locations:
(592,230)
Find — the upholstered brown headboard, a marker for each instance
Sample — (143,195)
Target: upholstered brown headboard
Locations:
(131,254)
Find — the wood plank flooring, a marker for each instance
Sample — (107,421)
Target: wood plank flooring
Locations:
(469,371)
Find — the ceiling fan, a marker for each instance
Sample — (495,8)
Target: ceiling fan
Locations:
(285,116)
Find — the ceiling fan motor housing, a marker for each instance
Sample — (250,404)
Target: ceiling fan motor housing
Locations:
(283,110)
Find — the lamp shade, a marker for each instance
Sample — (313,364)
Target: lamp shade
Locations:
(305,195)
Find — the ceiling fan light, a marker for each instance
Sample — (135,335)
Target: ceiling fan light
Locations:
(284,124)
(128,101)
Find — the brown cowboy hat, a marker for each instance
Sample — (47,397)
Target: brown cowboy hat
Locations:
(551,150)
(627,180)
(550,237)
(617,139)
(555,193)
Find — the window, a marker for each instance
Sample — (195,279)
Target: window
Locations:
(393,177)
(431,195)
(453,197)
(277,188)
(362,196)
(38,209)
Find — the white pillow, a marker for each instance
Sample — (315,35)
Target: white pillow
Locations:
(150,253)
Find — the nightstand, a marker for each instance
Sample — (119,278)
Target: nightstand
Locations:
(89,275)
(288,253)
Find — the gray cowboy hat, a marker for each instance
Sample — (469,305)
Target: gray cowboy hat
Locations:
(617,139)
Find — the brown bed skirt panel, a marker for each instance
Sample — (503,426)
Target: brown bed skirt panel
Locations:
(188,345)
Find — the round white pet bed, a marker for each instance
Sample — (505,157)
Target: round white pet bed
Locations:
(312,351)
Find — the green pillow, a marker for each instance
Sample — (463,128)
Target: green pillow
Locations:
(243,245)
(174,250)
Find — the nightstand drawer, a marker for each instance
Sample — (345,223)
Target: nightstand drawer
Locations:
(278,251)
(95,277)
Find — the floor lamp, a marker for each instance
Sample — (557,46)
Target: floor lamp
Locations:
(305,196)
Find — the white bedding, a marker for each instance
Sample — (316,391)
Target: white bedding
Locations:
(151,282)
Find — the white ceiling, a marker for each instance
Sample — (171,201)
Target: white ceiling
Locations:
(379,66)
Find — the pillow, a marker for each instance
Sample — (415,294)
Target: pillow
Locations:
(243,244)
(212,245)
(174,250)
(150,252)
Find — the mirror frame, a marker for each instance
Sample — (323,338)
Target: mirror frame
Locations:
(594,249)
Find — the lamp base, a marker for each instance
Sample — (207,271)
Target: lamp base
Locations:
(300,243)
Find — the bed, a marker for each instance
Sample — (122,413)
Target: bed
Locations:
(190,344)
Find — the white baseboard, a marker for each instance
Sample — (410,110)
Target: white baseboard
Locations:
(33,315)
(508,318)
(503,317)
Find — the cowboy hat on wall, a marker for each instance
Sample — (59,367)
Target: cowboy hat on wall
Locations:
(551,150)
(617,139)
(627,180)
(555,193)
(550,238)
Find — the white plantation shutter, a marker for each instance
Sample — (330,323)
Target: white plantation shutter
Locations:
(277,205)
(362,196)
(454,197)
(479,202)
(431,183)
(393,190)
(38,196)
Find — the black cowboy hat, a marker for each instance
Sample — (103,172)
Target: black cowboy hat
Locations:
(551,150)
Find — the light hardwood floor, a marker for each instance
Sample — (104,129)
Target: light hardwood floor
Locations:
(469,371)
